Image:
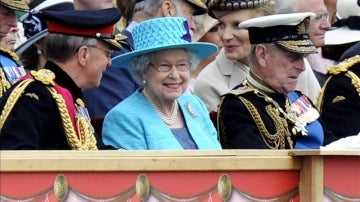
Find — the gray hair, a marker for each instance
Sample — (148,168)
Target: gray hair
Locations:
(60,48)
(150,7)
(178,6)
(286,6)
(141,63)
(252,55)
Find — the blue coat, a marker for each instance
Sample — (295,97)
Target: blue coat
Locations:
(134,124)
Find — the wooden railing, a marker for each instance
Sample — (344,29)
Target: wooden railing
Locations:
(169,168)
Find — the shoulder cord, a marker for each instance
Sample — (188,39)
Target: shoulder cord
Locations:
(320,98)
(11,101)
(355,81)
(4,83)
(273,141)
(86,140)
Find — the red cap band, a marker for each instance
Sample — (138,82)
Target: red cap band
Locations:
(91,32)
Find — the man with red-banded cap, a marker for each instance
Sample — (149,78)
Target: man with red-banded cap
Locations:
(44,110)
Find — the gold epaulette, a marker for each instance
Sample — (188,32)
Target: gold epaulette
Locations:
(86,139)
(344,65)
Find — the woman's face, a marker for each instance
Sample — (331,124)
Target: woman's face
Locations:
(167,85)
(235,41)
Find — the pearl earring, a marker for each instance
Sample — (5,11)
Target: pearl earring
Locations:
(38,51)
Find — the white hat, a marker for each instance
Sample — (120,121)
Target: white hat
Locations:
(287,31)
(346,8)
(347,28)
(341,35)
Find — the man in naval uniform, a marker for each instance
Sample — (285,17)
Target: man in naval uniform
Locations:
(265,111)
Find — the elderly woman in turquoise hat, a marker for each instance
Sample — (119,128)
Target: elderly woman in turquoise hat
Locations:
(159,115)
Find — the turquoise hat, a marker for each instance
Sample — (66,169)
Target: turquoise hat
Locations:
(162,34)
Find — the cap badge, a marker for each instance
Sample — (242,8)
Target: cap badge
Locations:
(303,28)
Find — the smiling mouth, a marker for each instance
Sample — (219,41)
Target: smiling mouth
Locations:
(173,86)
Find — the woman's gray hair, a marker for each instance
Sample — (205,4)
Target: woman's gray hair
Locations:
(141,63)
(150,7)
(60,48)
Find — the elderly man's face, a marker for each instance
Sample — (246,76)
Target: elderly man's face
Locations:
(282,69)
(7,20)
(319,25)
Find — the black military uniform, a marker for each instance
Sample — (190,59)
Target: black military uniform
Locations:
(239,131)
(44,110)
(35,121)
(251,118)
(339,99)
(255,116)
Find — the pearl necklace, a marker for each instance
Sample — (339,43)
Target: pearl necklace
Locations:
(168,120)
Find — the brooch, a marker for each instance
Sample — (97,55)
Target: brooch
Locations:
(191,110)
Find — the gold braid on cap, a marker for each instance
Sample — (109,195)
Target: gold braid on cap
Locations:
(342,67)
(15,4)
(297,45)
(86,140)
